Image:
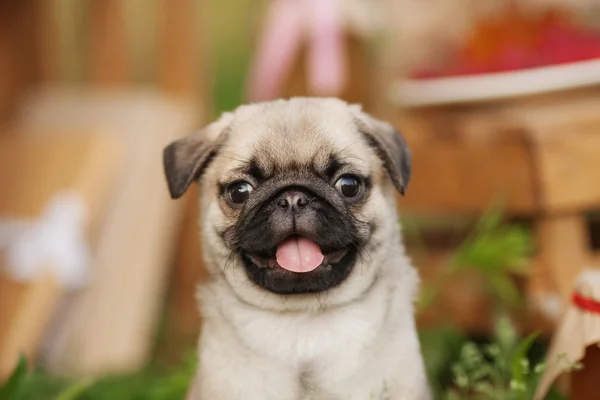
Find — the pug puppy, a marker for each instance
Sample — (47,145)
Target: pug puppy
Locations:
(311,292)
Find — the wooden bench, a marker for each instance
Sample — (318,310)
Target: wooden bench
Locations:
(540,156)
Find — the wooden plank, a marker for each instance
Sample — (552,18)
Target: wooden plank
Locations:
(109,327)
(560,138)
(23,324)
(552,110)
(46,41)
(454,177)
(584,383)
(183,44)
(178,53)
(564,132)
(563,250)
(569,167)
(107,58)
(55,163)
(466,158)
(545,303)
(84,165)
(16,66)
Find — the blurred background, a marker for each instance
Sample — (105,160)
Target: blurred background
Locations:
(498,100)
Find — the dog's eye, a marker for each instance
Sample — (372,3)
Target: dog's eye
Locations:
(349,186)
(239,192)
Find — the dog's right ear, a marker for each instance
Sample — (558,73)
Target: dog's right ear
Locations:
(186,159)
(390,146)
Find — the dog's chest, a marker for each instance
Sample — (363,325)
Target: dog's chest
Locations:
(335,336)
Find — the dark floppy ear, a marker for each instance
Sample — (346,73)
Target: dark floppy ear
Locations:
(390,146)
(185,159)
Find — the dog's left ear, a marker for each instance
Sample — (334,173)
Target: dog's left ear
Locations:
(186,159)
(390,146)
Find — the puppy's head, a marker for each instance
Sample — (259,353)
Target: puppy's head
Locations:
(297,199)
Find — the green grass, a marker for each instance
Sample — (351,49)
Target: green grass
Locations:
(153,383)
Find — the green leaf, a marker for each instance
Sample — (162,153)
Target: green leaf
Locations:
(505,335)
(75,391)
(521,370)
(490,220)
(520,355)
(453,395)
(11,387)
(504,287)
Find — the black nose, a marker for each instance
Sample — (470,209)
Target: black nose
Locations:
(293,199)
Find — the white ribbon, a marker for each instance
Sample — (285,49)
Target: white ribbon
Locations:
(56,241)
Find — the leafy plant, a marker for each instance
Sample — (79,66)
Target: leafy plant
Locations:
(75,390)
(440,348)
(152,383)
(500,370)
(10,389)
(495,250)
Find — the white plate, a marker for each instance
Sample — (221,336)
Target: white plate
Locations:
(495,86)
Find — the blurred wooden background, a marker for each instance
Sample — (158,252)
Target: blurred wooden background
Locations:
(48,48)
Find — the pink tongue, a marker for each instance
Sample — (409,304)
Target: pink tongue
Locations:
(299,255)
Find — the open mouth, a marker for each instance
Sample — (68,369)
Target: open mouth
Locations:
(297,254)
(298,265)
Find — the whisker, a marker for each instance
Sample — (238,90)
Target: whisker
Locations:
(347,147)
(343,158)
(229,262)
(230,158)
(247,159)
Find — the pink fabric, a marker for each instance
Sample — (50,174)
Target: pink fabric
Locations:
(326,51)
(288,22)
(277,48)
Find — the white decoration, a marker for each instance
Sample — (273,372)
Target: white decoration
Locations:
(56,241)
